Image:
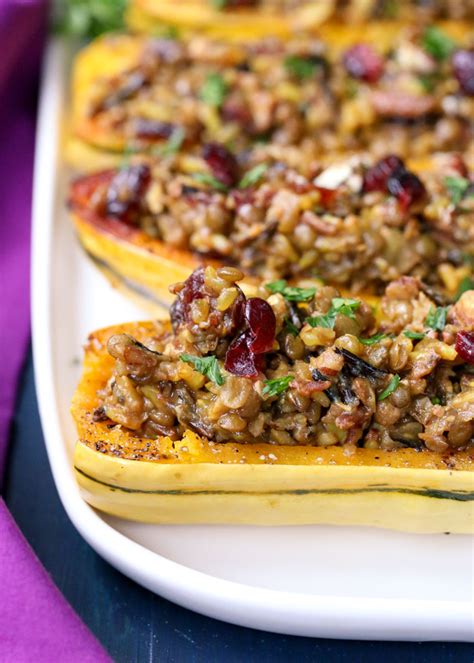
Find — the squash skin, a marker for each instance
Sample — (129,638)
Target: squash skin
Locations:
(144,268)
(192,481)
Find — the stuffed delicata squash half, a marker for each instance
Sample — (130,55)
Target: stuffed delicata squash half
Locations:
(134,94)
(253,19)
(355,225)
(249,19)
(296,407)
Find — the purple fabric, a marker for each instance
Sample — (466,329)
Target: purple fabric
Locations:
(36,623)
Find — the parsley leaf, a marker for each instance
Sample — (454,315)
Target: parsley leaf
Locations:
(346,306)
(436,318)
(219,4)
(416,336)
(214,90)
(253,175)
(343,305)
(456,187)
(292,328)
(466,284)
(88,18)
(373,339)
(428,81)
(437,43)
(327,320)
(390,388)
(292,294)
(277,385)
(208,366)
(207,178)
(172,145)
(436,401)
(300,67)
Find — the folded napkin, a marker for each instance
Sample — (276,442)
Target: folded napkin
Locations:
(36,623)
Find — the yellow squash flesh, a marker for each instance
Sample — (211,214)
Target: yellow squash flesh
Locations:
(194,481)
(244,24)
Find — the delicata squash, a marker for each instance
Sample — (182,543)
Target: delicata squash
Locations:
(300,406)
(352,224)
(253,19)
(248,19)
(411,94)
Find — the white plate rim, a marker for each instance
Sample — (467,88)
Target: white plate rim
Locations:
(266,609)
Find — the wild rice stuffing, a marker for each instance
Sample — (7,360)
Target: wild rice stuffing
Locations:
(414,100)
(300,366)
(352,224)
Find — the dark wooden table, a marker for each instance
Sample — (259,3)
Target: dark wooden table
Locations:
(133,624)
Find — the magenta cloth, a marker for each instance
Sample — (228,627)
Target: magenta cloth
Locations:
(36,622)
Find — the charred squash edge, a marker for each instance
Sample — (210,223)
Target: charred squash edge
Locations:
(193,481)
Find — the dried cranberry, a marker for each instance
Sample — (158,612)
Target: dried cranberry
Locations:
(125,192)
(375,178)
(222,163)
(193,289)
(406,187)
(152,129)
(262,323)
(327,196)
(465,346)
(234,110)
(361,61)
(463,66)
(246,353)
(243,197)
(240,360)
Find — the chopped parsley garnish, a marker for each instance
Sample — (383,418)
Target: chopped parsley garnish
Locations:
(343,305)
(291,327)
(436,318)
(207,178)
(277,385)
(466,284)
(428,81)
(291,293)
(300,67)
(172,145)
(373,339)
(456,187)
(436,401)
(208,366)
(346,306)
(437,43)
(170,32)
(88,18)
(127,154)
(253,175)
(390,388)
(214,90)
(417,336)
(327,320)
(219,4)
